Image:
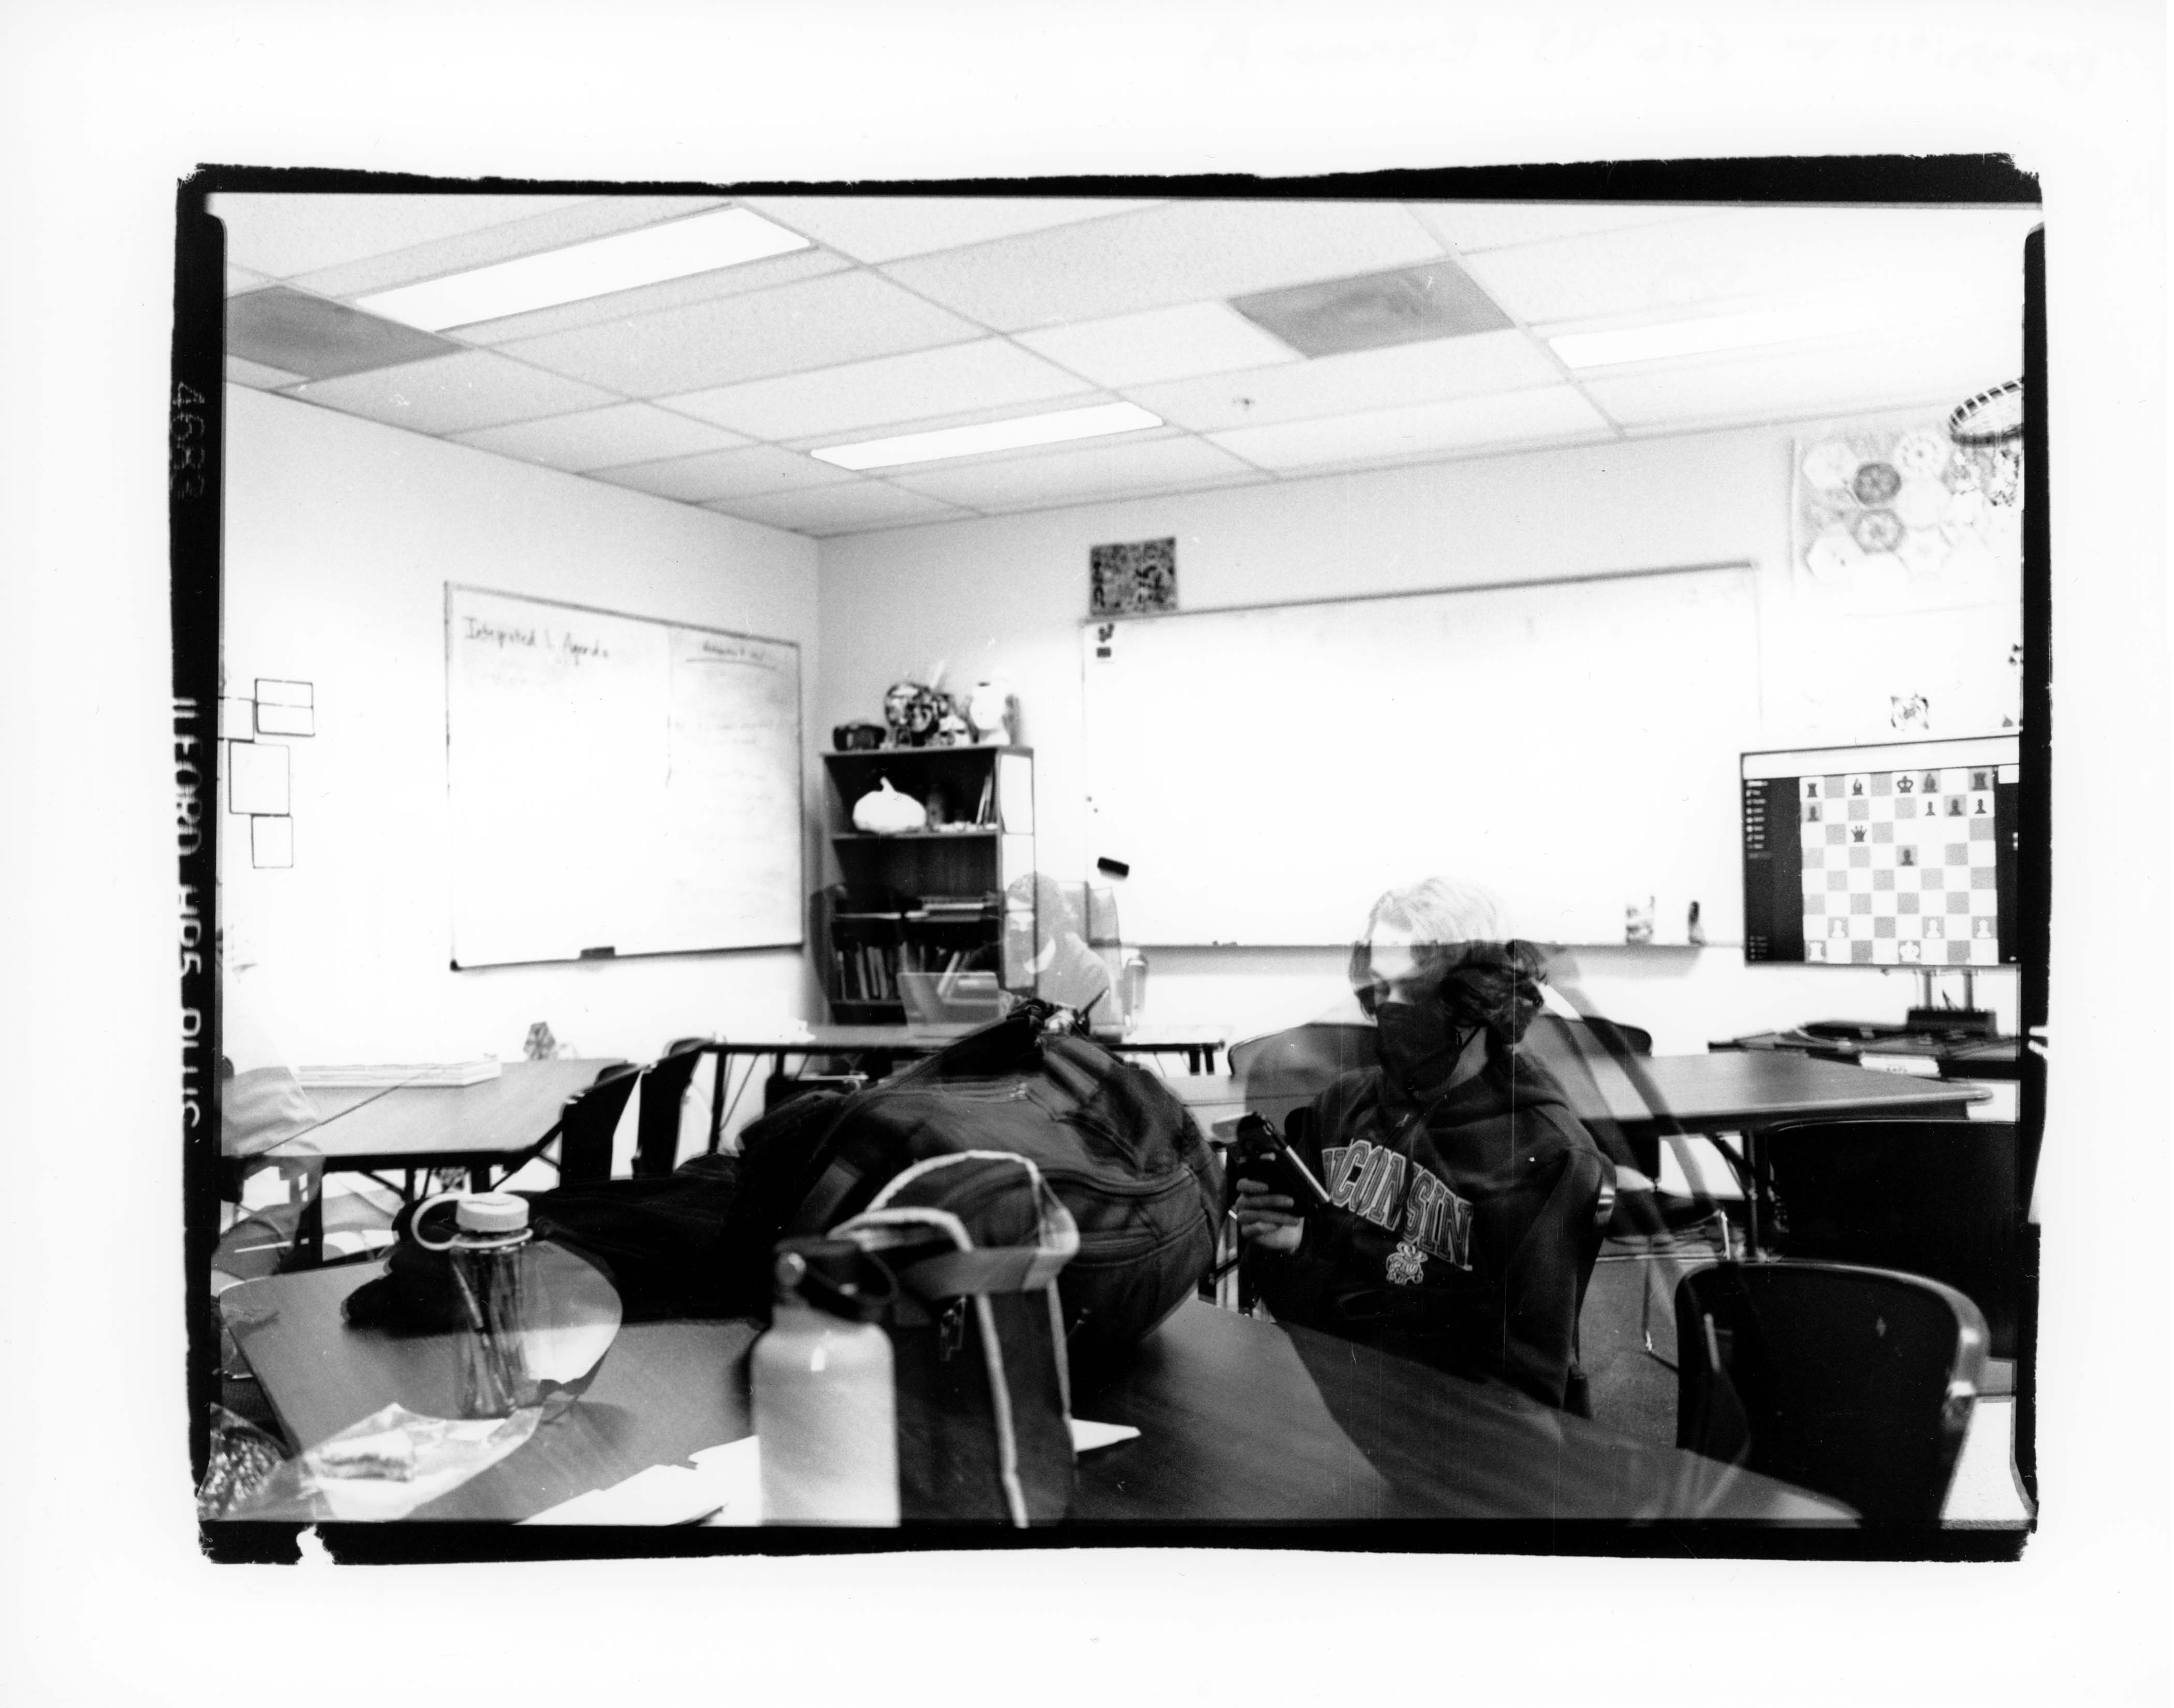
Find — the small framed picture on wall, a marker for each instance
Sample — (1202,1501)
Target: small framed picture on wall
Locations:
(1141,575)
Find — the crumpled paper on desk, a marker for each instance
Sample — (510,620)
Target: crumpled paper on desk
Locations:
(424,1457)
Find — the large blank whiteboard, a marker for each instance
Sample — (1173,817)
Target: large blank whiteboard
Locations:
(1570,746)
(617,783)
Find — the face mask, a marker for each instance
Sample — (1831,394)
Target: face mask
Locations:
(1416,1045)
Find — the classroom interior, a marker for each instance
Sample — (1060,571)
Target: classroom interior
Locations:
(647,452)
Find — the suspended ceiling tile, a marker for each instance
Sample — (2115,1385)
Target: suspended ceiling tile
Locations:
(653,299)
(860,507)
(1964,357)
(241,371)
(1074,476)
(606,438)
(1554,412)
(453,394)
(759,471)
(1470,227)
(1506,361)
(282,233)
(549,225)
(1721,259)
(1160,343)
(850,317)
(285,328)
(886,228)
(988,374)
(1176,252)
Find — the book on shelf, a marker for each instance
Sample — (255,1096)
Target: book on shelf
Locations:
(959,906)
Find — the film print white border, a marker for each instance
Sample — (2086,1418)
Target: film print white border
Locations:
(1898,868)
(259,781)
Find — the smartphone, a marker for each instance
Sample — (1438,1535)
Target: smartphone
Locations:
(1265,1155)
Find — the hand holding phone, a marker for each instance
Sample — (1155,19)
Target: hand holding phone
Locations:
(1265,1155)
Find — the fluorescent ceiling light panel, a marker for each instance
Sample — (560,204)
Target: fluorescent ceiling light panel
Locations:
(701,243)
(1703,337)
(1016,433)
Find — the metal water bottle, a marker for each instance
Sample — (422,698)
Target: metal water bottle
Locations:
(491,1373)
(825,1407)
(1135,986)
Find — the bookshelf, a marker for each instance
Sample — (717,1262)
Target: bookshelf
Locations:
(932,900)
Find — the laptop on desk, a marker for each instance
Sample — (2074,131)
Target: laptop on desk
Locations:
(949,999)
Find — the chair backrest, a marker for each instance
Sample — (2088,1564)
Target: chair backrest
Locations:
(1854,1383)
(1939,1198)
(1567,1045)
(664,1085)
(587,1123)
(1287,1070)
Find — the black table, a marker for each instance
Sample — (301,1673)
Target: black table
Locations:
(1241,1423)
(878,1049)
(1956,1058)
(1726,1091)
(492,1127)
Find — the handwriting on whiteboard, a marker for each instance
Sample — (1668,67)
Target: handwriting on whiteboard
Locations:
(571,644)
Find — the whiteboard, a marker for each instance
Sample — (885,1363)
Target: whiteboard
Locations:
(616,783)
(1568,746)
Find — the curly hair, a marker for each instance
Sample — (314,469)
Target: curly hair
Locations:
(1480,977)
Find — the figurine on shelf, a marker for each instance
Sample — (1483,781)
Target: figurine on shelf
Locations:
(909,710)
(990,710)
(951,728)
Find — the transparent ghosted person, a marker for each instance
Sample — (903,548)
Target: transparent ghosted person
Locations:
(1464,1188)
(1044,928)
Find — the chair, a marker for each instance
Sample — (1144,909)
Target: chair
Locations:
(1853,1383)
(1638,1210)
(664,1085)
(1286,1070)
(587,1123)
(1943,1199)
(1566,1046)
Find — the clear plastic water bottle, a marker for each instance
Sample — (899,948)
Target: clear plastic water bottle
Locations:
(490,1231)
(826,1405)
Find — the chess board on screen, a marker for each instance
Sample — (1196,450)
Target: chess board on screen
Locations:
(1903,854)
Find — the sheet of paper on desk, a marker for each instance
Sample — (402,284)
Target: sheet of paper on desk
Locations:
(1086,1437)
(721,1486)
(662,1494)
(724,1486)
(369,1075)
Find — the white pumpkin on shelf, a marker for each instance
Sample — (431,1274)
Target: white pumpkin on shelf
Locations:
(885,812)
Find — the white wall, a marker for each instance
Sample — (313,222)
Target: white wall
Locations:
(1005,596)
(340,536)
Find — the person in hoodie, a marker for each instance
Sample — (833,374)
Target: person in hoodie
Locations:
(1465,1190)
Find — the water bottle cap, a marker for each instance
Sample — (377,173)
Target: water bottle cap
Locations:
(492,1212)
(835,1276)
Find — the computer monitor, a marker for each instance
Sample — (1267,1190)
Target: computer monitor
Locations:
(1896,854)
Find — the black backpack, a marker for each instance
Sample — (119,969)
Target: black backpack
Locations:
(1122,1155)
